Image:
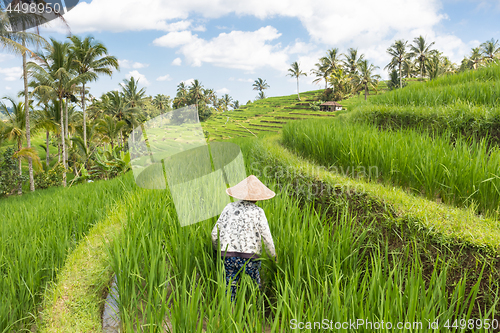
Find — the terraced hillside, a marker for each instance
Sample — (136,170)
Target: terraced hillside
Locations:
(264,116)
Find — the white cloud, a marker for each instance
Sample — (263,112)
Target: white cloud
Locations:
(138,76)
(177,62)
(188,82)
(5,56)
(223,91)
(247,50)
(246,80)
(12,73)
(124,63)
(164,78)
(8,88)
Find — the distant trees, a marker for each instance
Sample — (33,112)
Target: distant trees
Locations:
(296,72)
(421,51)
(260,85)
(399,56)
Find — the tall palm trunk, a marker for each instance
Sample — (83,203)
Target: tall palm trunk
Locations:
(400,76)
(20,188)
(27,111)
(298,95)
(66,128)
(63,142)
(84,117)
(366,91)
(47,157)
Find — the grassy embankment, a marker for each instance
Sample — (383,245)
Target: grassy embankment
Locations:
(463,104)
(37,232)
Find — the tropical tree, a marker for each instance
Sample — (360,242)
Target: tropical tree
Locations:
(119,108)
(321,72)
(109,128)
(161,102)
(296,72)
(261,95)
(47,119)
(226,101)
(15,130)
(366,77)
(90,56)
(260,85)
(421,51)
(399,56)
(351,61)
(181,99)
(236,105)
(490,50)
(196,92)
(343,82)
(55,74)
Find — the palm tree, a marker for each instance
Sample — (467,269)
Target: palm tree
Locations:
(366,78)
(260,85)
(321,72)
(121,109)
(15,130)
(48,120)
(110,128)
(161,102)
(261,95)
(226,101)
(421,51)
(132,94)
(351,61)
(490,49)
(296,72)
(398,53)
(90,56)
(196,92)
(55,74)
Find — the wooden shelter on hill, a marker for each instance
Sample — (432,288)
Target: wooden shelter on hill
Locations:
(330,106)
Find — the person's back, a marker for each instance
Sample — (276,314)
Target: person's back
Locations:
(240,229)
(242,225)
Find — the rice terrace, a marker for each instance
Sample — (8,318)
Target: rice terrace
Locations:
(380,185)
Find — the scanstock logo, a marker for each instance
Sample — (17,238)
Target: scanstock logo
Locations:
(27,14)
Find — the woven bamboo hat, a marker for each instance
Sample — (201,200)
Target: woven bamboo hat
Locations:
(251,189)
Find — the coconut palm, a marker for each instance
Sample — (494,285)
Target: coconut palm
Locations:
(110,128)
(399,56)
(132,94)
(55,74)
(351,61)
(260,85)
(47,119)
(161,102)
(367,78)
(421,51)
(15,130)
(90,56)
(490,50)
(296,72)
(196,92)
(321,72)
(226,101)
(118,107)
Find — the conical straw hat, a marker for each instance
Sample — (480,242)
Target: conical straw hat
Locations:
(251,189)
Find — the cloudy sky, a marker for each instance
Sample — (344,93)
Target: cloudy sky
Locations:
(227,44)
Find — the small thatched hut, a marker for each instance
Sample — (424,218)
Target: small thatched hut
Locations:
(330,106)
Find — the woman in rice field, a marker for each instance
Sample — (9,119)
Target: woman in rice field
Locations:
(241,226)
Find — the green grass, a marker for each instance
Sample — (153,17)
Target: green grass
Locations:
(458,172)
(329,261)
(37,231)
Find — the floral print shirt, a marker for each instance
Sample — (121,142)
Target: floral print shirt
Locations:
(242,225)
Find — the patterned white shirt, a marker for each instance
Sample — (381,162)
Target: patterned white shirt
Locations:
(242,225)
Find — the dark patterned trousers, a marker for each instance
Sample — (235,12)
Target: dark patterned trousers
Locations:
(234,267)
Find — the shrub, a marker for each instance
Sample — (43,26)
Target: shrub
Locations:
(52,177)
(9,173)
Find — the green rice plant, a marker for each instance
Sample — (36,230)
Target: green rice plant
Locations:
(330,268)
(459,119)
(479,87)
(37,231)
(458,172)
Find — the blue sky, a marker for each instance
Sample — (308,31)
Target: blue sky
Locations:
(228,44)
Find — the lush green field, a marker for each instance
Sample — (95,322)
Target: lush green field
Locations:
(37,231)
(459,172)
(465,104)
(329,267)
